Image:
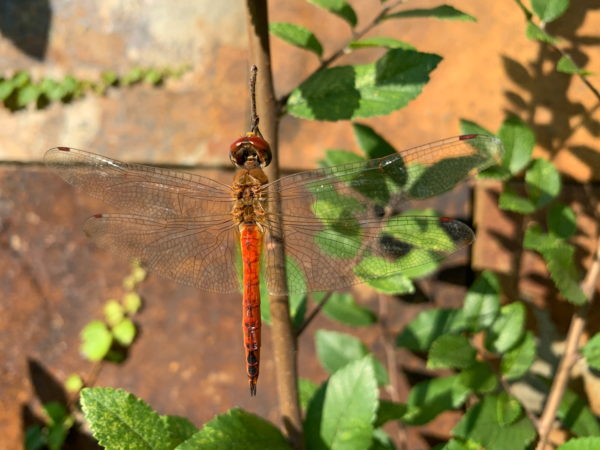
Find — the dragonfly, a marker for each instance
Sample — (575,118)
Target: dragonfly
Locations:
(338,226)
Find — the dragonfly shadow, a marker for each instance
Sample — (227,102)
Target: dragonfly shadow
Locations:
(26,23)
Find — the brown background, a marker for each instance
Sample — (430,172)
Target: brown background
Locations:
(188,359)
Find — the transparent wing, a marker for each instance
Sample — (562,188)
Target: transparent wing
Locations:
(338,220)
(196,252)
(137,189)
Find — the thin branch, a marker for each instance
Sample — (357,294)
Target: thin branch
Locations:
(284,339)
(569,357)
(313,314)
(392,365)
(344,48)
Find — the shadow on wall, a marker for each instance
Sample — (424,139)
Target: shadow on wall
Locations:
(547,109)
(26,23)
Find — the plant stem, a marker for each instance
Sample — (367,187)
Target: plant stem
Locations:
(570,356)
(343,49)
(313,313)
(284,340)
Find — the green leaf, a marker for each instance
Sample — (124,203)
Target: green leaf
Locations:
(455,444)
(6,88)
(587,443)
(55,412)
(511,201)
(179,429)
(508,409)
(343,308)
(109,77)
(566,65)
(451,351)
(371,143)
(468,127)
(391,411)
(518,141)
(297,309)
(132,302)
(120,421)
(543,182)
(346,420)
(74,383)
(443,12)
(377,41)
(434,396)
(562,222)
(313,419)
(336,350)
(21,79)
(395,284)
(482,303)
(306,391)
(113,312)
(338,7)
(536,239)
(507,329)
(97,340)
(35,439)
(591,351)
(153,77)
(237,429)
(420,333)
(27,94)
(561,264)
(124,332)
(381,440)
(517,362)
(297,36)
(135,75)
(336,157)
(577,416)
(549,10)
(352,92)
(535,33)
(479,378)
(481,424)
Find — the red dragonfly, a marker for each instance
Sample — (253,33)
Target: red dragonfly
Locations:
(339,225)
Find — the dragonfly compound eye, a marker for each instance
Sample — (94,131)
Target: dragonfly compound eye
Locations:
(250,150)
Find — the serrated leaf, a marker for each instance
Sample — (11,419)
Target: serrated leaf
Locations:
(113,312)
(306,391)
(543,182)
(508,409)
(352,92)
(119,421)
(124,332)
(229,430)
(395,284)
(535,33)
(74,383)
(97,340)
(587,443)
(469,127)
(562,222)
(518,141)
(179,429)
(549,10)
(566,65)
(336,157)
(434,396)
(451,351)
(480,424)
(297,36)
(511,201)
(388,410)
(591,351)
(377,41)
(507,329)
(478,378)
(561,264)
(443,12)
(340,8)
(343,308)
(420,333)
(482,303)
(371,143)
(536,239)
(517,361)
(346,420)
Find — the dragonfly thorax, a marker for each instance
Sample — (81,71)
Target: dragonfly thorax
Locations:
(247,190)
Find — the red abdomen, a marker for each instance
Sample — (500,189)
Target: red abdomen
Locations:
(251,243)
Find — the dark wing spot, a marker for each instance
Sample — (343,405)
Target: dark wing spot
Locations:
(394,247)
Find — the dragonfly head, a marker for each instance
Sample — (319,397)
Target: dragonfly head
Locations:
(250,151)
